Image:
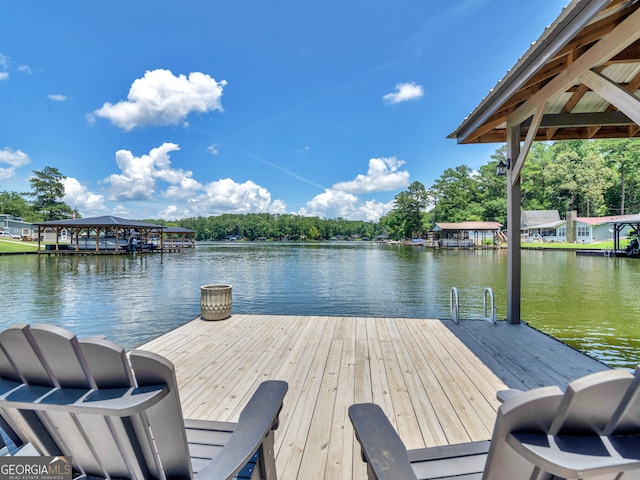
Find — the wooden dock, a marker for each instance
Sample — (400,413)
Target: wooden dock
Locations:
(436,380)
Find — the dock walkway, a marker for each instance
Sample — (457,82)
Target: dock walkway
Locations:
(435,380)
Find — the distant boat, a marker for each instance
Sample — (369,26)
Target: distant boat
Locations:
(104,243)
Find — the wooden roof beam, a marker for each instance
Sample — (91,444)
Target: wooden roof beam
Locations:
(624,101)
(631,87)
(528,141)
(594,119)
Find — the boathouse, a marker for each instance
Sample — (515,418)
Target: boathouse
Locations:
(579,80)
(15,226)
(98,235)
(467,234)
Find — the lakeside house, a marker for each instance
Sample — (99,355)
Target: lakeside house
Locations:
(15,226)
(546,226)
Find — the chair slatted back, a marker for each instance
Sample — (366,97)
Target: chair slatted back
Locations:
(586,408)
(626,419)
(103,446)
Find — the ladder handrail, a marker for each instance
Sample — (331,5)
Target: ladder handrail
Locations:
(454,306)
(491,318)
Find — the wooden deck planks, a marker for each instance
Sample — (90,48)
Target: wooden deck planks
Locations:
(435,380)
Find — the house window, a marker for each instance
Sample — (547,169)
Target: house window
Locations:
(562,231)
(583,231)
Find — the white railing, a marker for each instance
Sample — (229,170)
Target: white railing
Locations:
(454,306)
(491,316)
(489,311)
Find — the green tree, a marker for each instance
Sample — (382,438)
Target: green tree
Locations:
(313,233)
(623,157)
(455,196)
(492,193)
(409,206)
(534,187)
(48,192)
(12,203)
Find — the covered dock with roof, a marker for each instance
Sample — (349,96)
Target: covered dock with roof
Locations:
(178,237)
(467,234)
(618,225)
(579,80)
(95,235)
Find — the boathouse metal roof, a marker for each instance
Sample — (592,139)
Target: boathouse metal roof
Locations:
(104,221)
(586,61)
(467,226)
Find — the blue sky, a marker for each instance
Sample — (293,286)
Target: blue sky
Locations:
(159,109)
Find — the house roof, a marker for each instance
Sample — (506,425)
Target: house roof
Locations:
(629,219)
(554,224)
(533,218)
(105,221)
(593,46)
(467,226)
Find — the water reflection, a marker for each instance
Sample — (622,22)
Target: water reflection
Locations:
(588,302)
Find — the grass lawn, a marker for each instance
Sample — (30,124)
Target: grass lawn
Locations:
(17,246)
(574,246)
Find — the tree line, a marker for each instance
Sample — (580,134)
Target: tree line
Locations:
(592,177)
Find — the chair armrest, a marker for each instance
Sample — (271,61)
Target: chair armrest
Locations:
(578,456)
(257,418)
(504,395)
(381,447)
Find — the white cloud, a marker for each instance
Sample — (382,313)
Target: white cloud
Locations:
(15,159)
(145,177)
(120,211)
(78,196)
(341,199)
(222,196)
(213,149)
(382,176)
(57,97)
(6,64)
(161,98)
(228,196)
(334,203)
(140,174)
(404,92)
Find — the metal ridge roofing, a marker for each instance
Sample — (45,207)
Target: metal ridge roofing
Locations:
(608,219)
(467,226)
(104,221)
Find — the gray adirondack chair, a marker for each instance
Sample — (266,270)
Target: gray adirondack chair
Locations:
(592,430)
(119,416)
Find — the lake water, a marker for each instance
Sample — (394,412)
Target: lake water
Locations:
(590,303)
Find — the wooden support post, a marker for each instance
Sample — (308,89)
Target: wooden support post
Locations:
(514,269)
